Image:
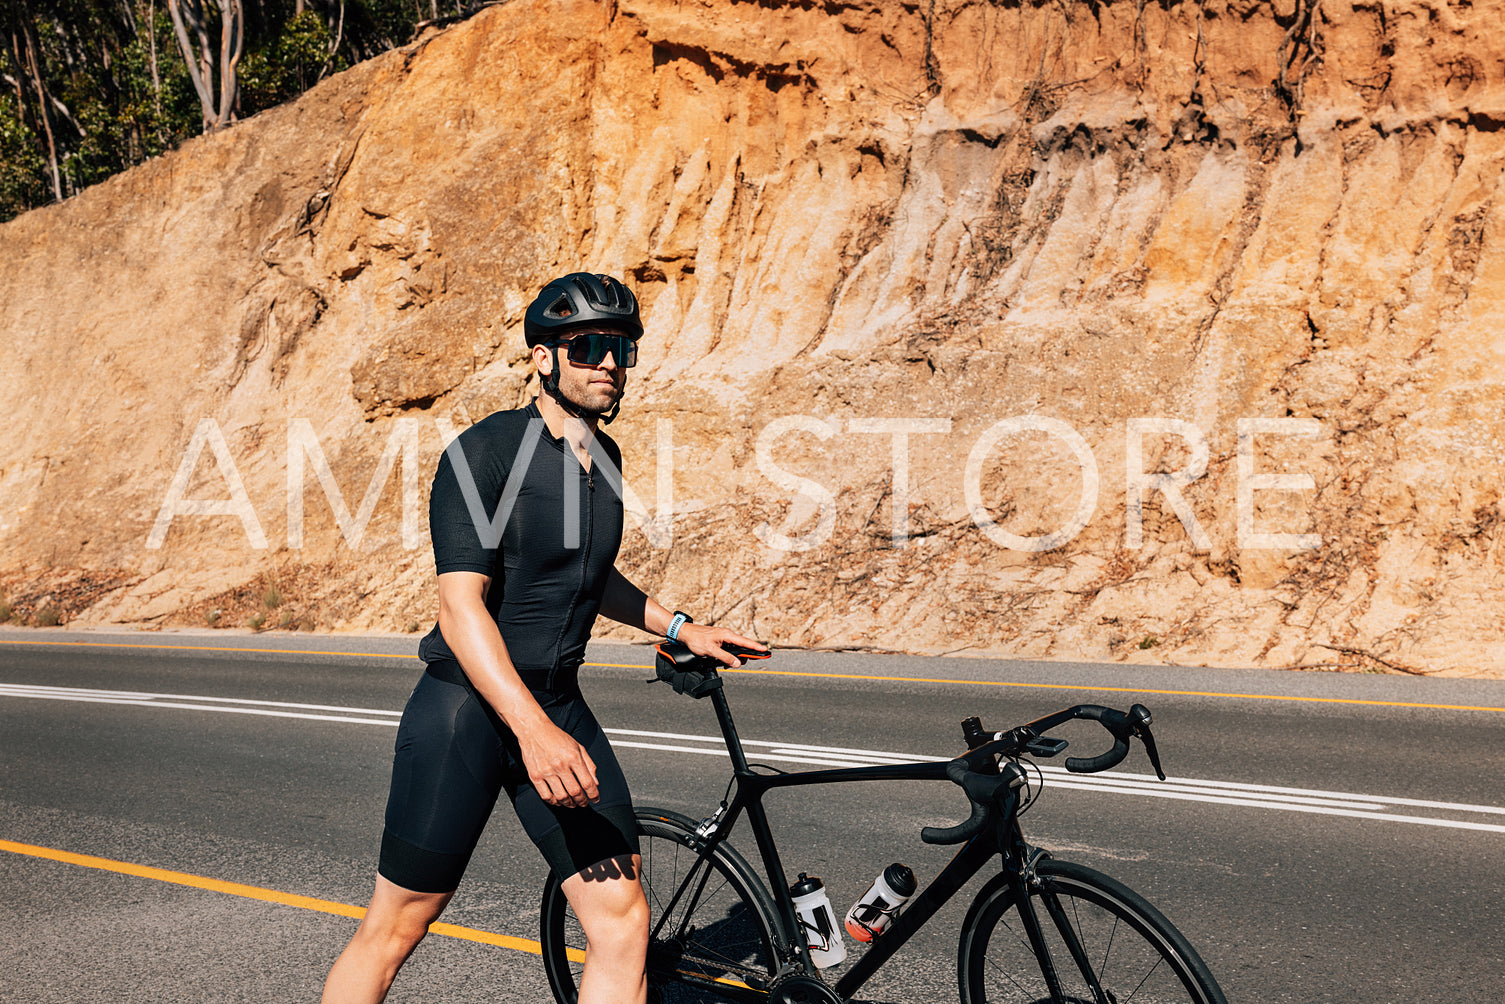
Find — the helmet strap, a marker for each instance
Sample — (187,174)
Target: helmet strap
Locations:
(551,385)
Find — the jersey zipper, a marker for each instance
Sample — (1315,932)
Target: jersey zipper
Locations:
(585,553)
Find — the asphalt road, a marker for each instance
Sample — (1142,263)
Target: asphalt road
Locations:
(1323,838)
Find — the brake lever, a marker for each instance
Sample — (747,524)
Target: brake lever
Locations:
(1139,715)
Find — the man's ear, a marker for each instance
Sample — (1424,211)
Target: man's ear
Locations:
(543,361)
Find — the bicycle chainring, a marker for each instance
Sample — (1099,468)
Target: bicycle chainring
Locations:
(800,988)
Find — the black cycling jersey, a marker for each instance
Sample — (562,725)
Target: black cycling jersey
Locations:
(513,502)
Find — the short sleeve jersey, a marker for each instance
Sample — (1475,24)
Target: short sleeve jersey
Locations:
(513,502)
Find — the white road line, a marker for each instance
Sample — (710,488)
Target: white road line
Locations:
(209,707)
(79,693)
(1180,788)
(1333,809)
(794,747)
(722,752)
(1420,803)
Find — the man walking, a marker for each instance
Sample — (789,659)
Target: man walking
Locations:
(526,519)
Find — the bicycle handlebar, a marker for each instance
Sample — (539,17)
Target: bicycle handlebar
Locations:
(983,789)
(1119,723)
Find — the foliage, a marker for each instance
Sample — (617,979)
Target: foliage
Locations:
(22,167)
(293,62)
(91,87)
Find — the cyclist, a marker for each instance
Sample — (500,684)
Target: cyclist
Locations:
(526,519)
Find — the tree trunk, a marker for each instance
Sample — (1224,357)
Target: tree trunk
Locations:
(232,45)
(334,48)
(151,37)
(34,65)
(190,16)
(182,19)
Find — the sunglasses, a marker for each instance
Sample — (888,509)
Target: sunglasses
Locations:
(590,350)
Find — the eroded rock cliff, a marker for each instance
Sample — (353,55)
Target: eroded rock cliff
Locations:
(1235,271)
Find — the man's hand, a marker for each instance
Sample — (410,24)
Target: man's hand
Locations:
(559,767)
(705,640)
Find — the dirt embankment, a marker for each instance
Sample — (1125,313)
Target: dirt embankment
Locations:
(1107,331)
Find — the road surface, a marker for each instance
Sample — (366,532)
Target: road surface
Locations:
(187,817)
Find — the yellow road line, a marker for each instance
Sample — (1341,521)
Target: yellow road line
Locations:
(852,676)
(257,893)
(201,648)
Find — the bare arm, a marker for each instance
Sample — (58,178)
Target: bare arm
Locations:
(558,766)
(627,604)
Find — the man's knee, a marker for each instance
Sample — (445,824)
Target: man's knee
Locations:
(398,919)
(393,936)
(609,902)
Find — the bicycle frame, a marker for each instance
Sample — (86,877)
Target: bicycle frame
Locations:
(747,797)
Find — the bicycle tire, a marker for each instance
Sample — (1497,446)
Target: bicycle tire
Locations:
(719,945)
(1137,955)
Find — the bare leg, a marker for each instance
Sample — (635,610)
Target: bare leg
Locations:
(396,921)
(608,900)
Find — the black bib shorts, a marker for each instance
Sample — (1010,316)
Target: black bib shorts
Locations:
(454,756)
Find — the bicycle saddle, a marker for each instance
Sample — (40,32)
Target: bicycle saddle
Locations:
(693,674)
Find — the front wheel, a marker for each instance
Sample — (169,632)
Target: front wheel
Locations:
(711,925)
(1102,944)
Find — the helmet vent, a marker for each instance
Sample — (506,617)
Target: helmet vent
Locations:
(592,288)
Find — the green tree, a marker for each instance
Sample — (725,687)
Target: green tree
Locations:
(91,87)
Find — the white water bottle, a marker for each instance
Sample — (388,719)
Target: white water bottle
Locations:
(871,915)
(813,907)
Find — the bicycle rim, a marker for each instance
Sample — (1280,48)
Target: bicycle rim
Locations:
(711,929)
(1095,930)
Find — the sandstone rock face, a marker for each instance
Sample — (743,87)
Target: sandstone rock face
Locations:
(1051,330)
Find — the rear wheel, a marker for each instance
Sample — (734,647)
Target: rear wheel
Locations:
(1098,935)
(711,926)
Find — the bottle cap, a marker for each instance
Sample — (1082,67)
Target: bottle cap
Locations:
(900,879)
(806,884)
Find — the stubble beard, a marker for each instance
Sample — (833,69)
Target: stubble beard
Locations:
(580,395)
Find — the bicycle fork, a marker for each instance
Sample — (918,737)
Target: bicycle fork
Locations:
(1023,880)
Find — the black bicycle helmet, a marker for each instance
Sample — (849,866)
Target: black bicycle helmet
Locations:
(579,299)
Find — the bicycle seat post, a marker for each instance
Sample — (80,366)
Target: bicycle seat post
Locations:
(729,732)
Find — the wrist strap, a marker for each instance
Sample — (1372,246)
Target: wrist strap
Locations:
(680,620)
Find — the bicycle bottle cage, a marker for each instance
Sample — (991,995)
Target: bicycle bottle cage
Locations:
(693,674)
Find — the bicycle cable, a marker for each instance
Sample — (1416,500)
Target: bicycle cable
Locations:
(1032,792)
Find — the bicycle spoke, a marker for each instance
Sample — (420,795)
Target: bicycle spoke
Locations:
(1069,930)
(1012,971)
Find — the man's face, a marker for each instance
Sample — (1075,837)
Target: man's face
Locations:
(593,389)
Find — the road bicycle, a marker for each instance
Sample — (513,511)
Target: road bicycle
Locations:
(1041,931)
